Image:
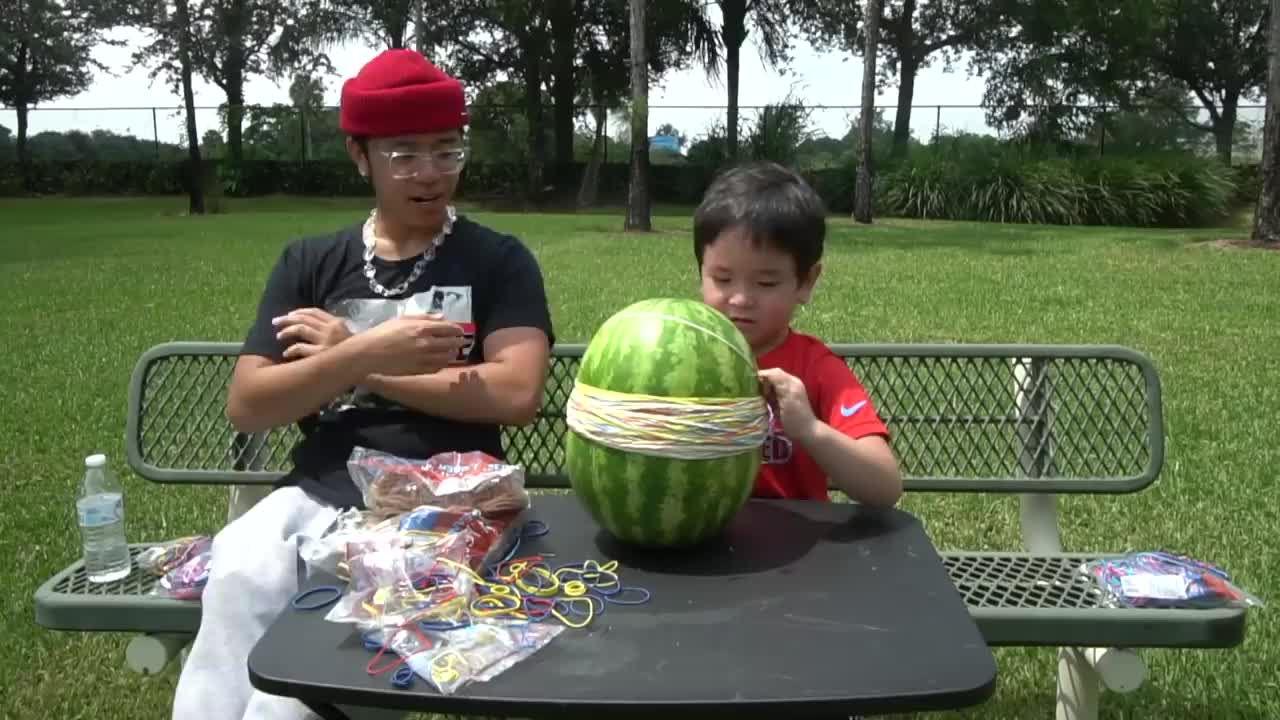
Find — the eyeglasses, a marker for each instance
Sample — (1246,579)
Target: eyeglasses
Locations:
(405,165)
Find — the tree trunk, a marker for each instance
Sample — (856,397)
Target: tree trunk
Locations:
(1266,219)
(536,137)
(233,79)
(1224,129)
(23,108)
(862,184)
(420,28)
(638,190)
(908,66)
(24,159)
(564,32)
(734,32)
(590,189)
(196,178)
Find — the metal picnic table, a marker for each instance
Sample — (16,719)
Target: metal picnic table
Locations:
(804,608)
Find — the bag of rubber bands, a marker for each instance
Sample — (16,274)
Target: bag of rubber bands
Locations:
(396,577)
(1165,580)
(473,480)
(475,653)
(182,566)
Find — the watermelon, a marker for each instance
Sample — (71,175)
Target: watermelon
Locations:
(670,348)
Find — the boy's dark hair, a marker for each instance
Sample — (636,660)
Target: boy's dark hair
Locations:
(771,204)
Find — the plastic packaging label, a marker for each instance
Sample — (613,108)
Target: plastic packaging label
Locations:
(1163,587)
(100,510)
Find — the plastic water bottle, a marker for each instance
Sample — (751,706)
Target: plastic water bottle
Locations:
(101,514)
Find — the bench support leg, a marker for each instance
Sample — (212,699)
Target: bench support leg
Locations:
(151,653)
(1078,686)
(1083,672)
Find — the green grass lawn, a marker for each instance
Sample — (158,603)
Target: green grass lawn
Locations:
(87,285)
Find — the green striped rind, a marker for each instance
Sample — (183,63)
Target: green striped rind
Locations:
(639,352)
(653,500)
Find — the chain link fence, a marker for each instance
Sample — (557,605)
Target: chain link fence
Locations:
(813,136)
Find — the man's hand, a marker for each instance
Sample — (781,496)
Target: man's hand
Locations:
(786,394)
(412,345)
(309,331)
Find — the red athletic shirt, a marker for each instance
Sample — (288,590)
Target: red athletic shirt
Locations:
(837,398)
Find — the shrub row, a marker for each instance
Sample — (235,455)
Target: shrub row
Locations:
(1150,192)
(1147,192)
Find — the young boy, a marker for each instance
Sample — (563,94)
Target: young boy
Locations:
(758,238)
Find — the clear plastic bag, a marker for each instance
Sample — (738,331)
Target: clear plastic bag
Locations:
(1165,580)
(475,653)
(397,577)
(183,565)
(329,552)
(164,558)
(392,485)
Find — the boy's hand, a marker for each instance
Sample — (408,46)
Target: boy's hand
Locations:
(309,331)
(786,393)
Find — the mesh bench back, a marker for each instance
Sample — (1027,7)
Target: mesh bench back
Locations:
(963,417)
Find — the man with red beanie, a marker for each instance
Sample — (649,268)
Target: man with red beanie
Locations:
(414,331)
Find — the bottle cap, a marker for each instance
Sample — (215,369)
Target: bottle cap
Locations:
(95,461)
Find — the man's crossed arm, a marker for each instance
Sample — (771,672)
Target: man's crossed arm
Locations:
(405,359)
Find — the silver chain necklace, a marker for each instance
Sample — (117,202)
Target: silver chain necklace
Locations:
(427,255)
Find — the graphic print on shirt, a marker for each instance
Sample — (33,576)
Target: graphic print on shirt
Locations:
(778,448)
(360,314)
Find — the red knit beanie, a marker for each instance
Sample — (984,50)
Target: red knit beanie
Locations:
(400,92)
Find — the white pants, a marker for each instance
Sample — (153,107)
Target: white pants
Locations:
(252,577)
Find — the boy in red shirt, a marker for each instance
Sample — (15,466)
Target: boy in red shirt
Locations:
(758,238)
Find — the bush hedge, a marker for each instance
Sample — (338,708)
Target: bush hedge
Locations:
(1178,191)
(1148,192)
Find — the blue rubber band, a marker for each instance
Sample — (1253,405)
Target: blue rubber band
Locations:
(403,677)
(533,529)
(296,602)
(612,589)
(614,597)
(371,643)
(567,606)
(536,609)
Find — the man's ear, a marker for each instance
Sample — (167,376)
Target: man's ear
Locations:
(809,281)
(358,156)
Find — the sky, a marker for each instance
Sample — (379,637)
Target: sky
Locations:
(126,96)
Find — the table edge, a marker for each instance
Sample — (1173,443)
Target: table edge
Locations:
(429,701)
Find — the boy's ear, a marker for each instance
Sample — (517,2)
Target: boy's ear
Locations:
(809,281)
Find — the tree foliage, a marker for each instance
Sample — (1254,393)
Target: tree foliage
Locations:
(233,40)
(1163,53)
(46,52)
(912,35)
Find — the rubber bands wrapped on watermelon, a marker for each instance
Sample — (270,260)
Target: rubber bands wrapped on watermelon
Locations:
(392,485)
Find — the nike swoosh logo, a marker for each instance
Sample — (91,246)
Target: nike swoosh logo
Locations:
(849,411)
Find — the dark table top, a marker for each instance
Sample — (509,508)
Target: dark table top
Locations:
(812,609)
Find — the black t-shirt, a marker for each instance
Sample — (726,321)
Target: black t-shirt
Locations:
(479,278)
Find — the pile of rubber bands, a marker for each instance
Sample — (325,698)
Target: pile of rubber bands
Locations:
(433,587)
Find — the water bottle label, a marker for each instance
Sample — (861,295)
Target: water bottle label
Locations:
(103,512)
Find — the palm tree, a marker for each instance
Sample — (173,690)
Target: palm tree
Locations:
(638,191)
(862,185)
(1266,219)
